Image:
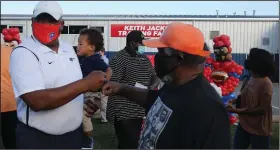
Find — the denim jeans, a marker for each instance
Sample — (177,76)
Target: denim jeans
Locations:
(243,139)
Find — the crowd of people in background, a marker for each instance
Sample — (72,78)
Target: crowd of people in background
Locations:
(49,93)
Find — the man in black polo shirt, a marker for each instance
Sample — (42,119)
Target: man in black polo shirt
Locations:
(186,113)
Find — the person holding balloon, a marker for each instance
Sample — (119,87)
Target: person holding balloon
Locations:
(8,102)
(254,104)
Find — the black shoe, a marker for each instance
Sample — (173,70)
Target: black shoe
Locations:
(88,143)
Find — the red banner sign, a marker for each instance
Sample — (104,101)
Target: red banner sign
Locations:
(149,30)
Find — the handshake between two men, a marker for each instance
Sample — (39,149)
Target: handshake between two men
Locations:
(96,82)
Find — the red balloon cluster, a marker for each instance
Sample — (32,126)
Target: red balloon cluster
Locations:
(11,34)
(229,85)
(228,66)
(222,41)
(207,74)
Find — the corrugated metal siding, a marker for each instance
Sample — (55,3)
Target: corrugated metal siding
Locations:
(244,35)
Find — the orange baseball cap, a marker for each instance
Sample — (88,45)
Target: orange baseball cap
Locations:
(182,37)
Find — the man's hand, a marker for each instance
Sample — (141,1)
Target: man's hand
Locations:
(231,102)
(90,108)
(230,108)
(95,80)
(111,88)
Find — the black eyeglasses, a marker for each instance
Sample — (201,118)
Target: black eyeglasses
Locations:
(168,52)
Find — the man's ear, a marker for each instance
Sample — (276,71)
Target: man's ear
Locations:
(32,20)
(93,48)
(62,25)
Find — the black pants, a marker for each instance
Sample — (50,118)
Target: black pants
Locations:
(243,139)
(30,138)
(128,132)
(8,126)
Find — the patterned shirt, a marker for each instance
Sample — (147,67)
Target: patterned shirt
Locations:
(129,70)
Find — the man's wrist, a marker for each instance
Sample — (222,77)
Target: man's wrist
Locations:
(121,89)
(83,85)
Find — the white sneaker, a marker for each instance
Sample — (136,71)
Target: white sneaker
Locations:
(104,121)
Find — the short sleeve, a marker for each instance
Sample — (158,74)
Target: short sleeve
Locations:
(25,72)
(116,64)
(265,95)
(103,65)
(153,72)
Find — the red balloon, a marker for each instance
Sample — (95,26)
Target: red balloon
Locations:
(216,64)
(16,37)
(226,65)
(8,38)
(232,119)
(229,49)
(232,70)
(13,31)
(237,80)
(5,31)
(216,39)
(220,44)
(17,30)
(209,60)
(228,38)
(224,38)
(239,72)
(227,43)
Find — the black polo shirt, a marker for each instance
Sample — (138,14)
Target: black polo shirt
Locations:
(92,63)
(190,116)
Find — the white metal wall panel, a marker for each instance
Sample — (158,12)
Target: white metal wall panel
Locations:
(73,38)
(244,34)
(118,43)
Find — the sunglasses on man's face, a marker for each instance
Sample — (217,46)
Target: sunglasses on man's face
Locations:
(168,52)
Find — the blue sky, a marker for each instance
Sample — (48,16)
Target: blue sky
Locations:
(151,7)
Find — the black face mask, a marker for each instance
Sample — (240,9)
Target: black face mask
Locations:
(164,65)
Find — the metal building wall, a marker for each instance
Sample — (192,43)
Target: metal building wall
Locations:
(244,35)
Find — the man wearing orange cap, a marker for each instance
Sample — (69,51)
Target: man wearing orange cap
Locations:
(186,113)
